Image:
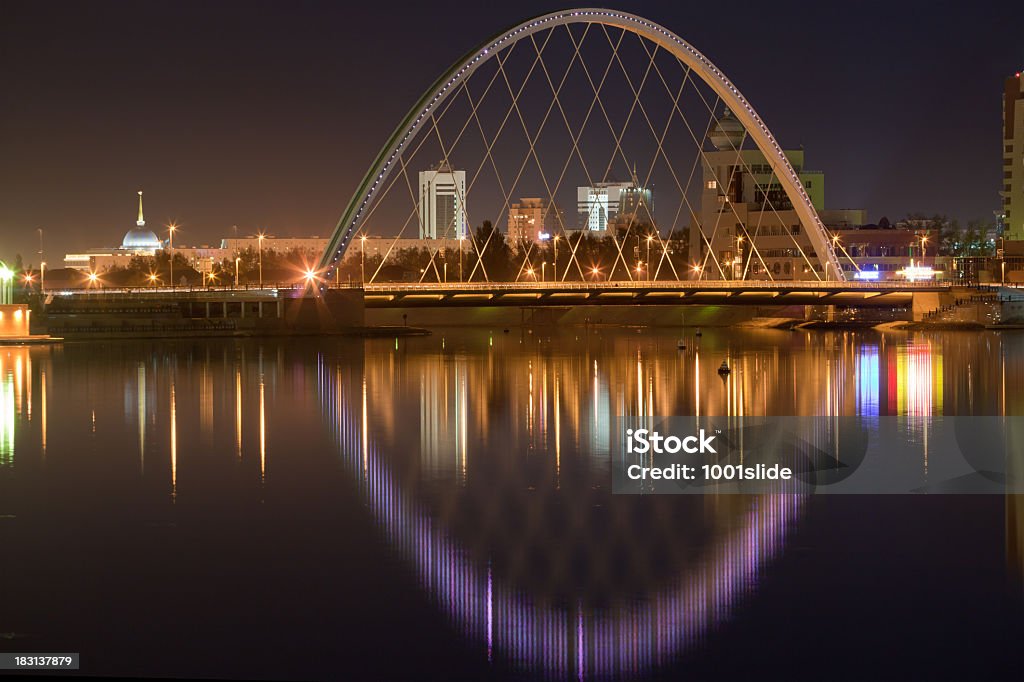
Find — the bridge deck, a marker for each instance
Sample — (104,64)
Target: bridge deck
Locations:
(861,294)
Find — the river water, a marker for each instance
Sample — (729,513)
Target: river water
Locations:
(440,507)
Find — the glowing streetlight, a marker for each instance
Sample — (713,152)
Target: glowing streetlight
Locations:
(170,242)
(529,271)
(362,258)
(259,242)
(152,278)
(554,266)
(461,239)
(595,271)
(650,238)
(93,278)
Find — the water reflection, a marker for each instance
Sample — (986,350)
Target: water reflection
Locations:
(484,459)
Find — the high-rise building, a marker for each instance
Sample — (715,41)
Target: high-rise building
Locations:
(1013,157)
(599,204)
(442,203)
(742,200)
(533,219)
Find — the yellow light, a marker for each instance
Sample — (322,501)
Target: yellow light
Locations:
(93,277)
(28,279)
(530,272)
(310,276)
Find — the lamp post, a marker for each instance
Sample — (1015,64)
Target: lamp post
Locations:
(42,277)
(650,238)
(170,229)
(461,239)
(543,271)
(1002,261)
(259,243)
(554,266)
(237,261)
(363,259)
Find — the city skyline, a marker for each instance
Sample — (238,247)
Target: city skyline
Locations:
(202,134)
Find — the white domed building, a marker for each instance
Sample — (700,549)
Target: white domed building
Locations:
(139,240)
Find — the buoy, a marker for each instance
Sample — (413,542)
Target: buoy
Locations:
(724,368)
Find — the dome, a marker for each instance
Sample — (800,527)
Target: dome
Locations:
(728,133)
(141,239)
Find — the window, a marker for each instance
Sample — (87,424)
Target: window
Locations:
(795,229)
(712,184)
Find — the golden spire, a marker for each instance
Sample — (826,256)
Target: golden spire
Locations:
(141,222)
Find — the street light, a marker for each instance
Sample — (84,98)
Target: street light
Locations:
(362,259)
(170,229)
(543,271)
(42,277)
(554,266)
(650,238)
(595,272)
(93,279)
(461,239)
(152,278)
(529,271)
(237,261)
(259,241)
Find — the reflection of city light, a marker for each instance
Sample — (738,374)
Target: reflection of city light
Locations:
(174,445)
(7,418)
(919,381)
(868,377)
(577,642)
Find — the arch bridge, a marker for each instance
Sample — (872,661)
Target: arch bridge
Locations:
(591,130)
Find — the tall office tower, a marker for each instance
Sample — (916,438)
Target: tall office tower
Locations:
(443,203)
(1013,157)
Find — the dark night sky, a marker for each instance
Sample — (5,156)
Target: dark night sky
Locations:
(268,113)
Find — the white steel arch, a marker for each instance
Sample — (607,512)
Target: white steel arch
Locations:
(350,221)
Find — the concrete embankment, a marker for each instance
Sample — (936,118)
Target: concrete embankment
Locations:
(149,314)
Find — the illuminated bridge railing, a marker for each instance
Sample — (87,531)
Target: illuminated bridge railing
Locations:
(694,285)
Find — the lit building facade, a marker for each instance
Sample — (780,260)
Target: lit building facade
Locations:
(442,203)
(742,201)
(533,219)
(600,204)
(1013,158)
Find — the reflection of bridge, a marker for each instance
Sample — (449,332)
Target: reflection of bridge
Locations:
(853,294)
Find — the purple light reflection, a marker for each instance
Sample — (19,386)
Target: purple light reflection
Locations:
(625,639)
